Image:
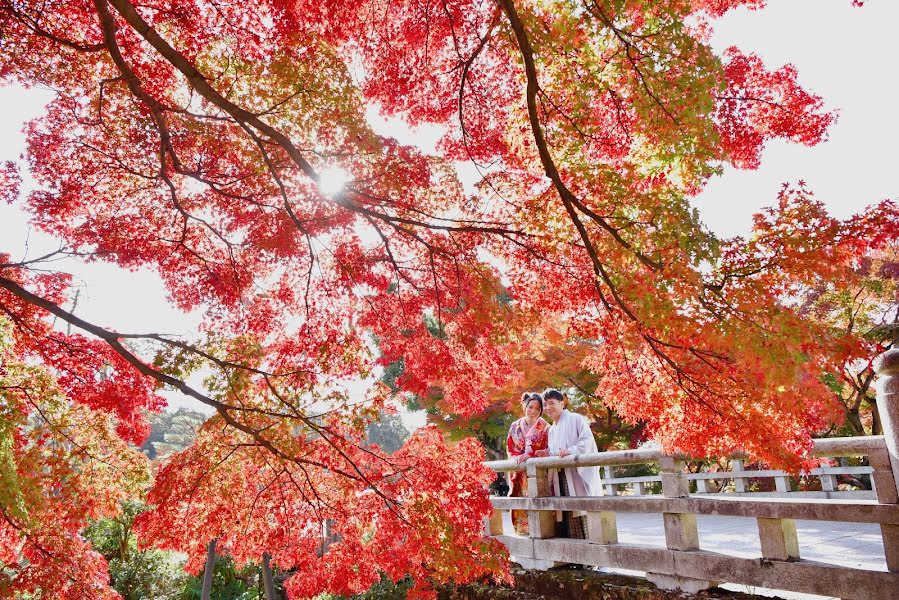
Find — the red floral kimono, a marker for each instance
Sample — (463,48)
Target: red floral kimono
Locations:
(522,442)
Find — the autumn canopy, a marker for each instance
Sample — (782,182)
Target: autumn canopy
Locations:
(190,137)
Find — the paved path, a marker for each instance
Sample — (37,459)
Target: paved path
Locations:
(858,545)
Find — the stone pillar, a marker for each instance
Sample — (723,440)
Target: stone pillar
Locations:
(782,483)
(674,480)
(887,368)
(828,482)
(493,525)
(778,538)
(737,465)
(610,488)
(890,534)
(681,533)
(602,527)
(541,523)
(882,478)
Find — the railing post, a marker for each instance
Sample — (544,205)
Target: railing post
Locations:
(828,482)
(541,523)
(609,473)
(674,481)
(782,483)
(736,465)
(702,486)
(882,478)
(681,532)
(602,527)
(778,538)
(493,525)
(885,488)
(887,368)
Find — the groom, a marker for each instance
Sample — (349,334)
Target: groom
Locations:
(569,435)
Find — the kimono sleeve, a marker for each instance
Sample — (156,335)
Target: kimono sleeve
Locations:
(585,442)
(511,448)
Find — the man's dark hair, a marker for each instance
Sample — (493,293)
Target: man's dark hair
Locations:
(553,394)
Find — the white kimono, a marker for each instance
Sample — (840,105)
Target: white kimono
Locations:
(572,432)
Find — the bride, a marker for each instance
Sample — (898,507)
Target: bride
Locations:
(527,436)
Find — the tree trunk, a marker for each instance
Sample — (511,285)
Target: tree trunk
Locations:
(876,426)
(854,419)
(267,578)
(207,573)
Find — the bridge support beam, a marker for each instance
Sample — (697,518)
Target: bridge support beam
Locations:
(534,564)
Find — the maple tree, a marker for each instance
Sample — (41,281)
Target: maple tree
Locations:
(195,138)
(137,574)
(61,464)
(863,311)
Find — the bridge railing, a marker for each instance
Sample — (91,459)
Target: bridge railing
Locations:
(681,564)
(737,480)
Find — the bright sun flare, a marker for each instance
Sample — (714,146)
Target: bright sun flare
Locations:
(332,181)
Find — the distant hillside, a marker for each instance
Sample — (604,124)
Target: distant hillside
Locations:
(174,431)
(171,432)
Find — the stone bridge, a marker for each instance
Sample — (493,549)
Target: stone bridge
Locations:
(705,533)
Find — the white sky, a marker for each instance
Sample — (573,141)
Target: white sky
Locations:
(844,54)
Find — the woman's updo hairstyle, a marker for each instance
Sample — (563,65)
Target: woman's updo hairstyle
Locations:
(528,397)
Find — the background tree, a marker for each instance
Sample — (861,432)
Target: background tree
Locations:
(134,573)
(61,465)
(864,313)
(229,582)
(388,432)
